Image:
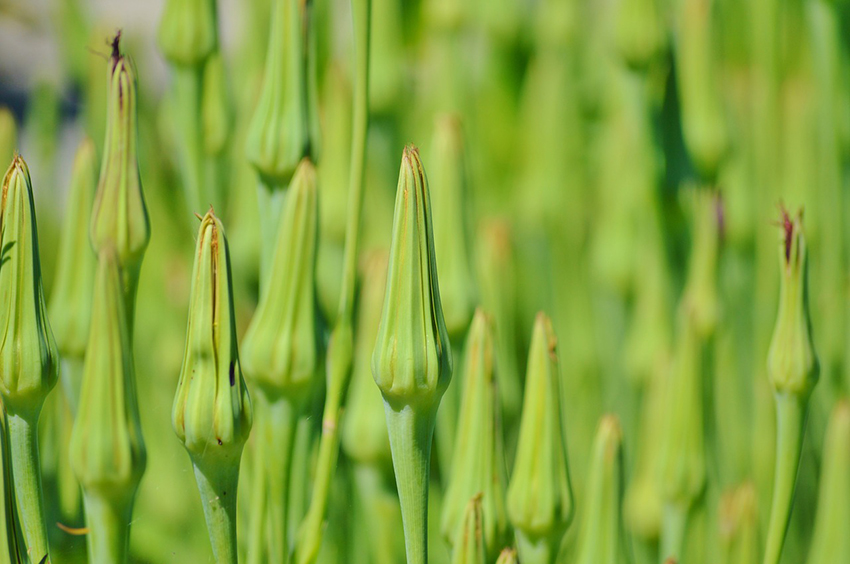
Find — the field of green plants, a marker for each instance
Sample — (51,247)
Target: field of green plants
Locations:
(426,282)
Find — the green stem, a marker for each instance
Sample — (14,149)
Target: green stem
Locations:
(256,548)
(282,423)
(218,486)
(270,199)
(535,550)
(790,421)
(26,475)
(369,487)
(673,527)
(188,83)
(411,430)
(8,515)
(109,530)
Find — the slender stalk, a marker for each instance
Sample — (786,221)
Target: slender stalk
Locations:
(188,82)
(280,437)
(270,200)
(367,479)
(26,473)
(255,552)
(675,521)
(410,433)
(790,421)
(109,530)
(218,496)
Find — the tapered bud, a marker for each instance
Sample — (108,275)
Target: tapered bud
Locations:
(29,359)
(469,538)
(791,363)
(278,135)
(507,556)
(8,135)
(187,31)
(212,412)
(281,347)
(70,301)
(478,463)
(601,538)
(540,499)
(451,225)
(215,105)
(120,217)
(412,361)
(830,541)
(107,452)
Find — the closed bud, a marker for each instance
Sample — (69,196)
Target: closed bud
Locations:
(187,31)
(278,135)
(507,556)
(640,32)
(120,217)
(601,539)
(469,538)
(700,303)
(281,347)
(478,464)
(540,499)
(791,363)
(29,360)
(212,412)
(70,301)
(215,105)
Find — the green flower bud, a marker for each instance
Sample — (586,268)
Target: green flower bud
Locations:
(830,541)
(700,301)
(738,528)
(281,347)
(364,435)
(212,413)
(792,365)
(602,540)
(469,538)
(70,300)
(507,556)
(215,105)
(640,32)
(8,135)
(478,463)
(107,452)
(29,359)
(120,217)
(187,31)
(412,362)
(278,135)
(451,233)
(540,498)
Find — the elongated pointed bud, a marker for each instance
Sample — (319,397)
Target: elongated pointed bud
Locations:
(830,541)
(792,368)
(469,538)
(412,362)
(364,435)
(120,218)
(212,413)
(281,347)
(451,225)
(602,539)
(540,498)
(8,135)
(107,452)
(478,463)
(187,31)
(29,359)
(738,528)
(70,301)
(278,136)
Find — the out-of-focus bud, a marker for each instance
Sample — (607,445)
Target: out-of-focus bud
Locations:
(212,413)
(107,452)
(830,541)
(187,31)
(278,136)
(120,218)
(738,529)
(640,32)
(215,105)
(478,464)
(601,539)
(411,362)
(29,359)
(507,556)
(280,351)
(469,537)
(540,498)
(700,301)
(451,225)
(364,435)
(8,135)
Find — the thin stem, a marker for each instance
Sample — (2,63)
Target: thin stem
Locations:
(109,529)
(218,488)
(410,432)
(534,550)
(270,199)
(26,475)
(369,487)
(256,548)
(187,90)
(790,420)
(280,438)
(673,527)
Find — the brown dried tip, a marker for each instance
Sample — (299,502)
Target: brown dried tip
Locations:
(116,51)
(787,225)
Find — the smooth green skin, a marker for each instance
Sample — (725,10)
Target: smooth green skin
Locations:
(188,91)
(218,487)
(26,470)
(187,32)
